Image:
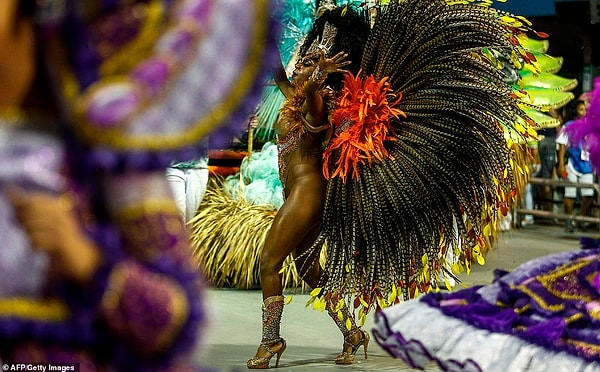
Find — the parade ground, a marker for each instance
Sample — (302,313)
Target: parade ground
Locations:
(234,329)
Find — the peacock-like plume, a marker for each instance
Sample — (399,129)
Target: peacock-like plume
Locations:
(450,168)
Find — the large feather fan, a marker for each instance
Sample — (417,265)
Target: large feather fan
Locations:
(449,167)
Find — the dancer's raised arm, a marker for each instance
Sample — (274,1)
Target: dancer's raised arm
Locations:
(314,105)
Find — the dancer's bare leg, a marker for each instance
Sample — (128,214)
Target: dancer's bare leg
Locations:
(307,263)
(295,225)
(309,267)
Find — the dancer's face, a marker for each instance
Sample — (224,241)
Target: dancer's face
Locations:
(304,68)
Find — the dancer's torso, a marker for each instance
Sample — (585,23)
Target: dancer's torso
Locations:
(300,152)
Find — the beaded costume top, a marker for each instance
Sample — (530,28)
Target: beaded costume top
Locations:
(296,144)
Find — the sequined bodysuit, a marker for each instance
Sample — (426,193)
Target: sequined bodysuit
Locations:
(300,151)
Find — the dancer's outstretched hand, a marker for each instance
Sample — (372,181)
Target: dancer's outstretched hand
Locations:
(333,64)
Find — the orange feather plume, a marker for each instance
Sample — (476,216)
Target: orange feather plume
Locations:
(364,107)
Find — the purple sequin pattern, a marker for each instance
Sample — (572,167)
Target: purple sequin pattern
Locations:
(203,78)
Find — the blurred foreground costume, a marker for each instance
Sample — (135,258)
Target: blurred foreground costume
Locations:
(544,315)
(136,85)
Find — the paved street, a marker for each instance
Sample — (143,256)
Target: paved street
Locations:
(313,340)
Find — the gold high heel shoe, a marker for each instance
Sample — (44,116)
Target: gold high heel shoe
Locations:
(263,362)
(347,357)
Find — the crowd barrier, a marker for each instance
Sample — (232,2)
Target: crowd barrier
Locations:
(562,216)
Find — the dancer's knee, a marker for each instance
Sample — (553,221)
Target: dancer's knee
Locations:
(270,263)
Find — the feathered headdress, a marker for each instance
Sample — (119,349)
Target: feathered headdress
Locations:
(338,29)
(324,42)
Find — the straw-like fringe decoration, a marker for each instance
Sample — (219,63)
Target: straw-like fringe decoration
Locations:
(228,236)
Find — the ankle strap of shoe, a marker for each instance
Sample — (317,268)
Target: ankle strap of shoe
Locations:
(352,333)
(267,344)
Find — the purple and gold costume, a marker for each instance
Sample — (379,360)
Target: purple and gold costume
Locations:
(141,84)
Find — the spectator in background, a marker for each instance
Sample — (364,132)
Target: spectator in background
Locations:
(188,181)
(528,203)
(547,155)
(574,165)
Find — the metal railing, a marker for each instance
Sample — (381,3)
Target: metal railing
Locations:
(563,216)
